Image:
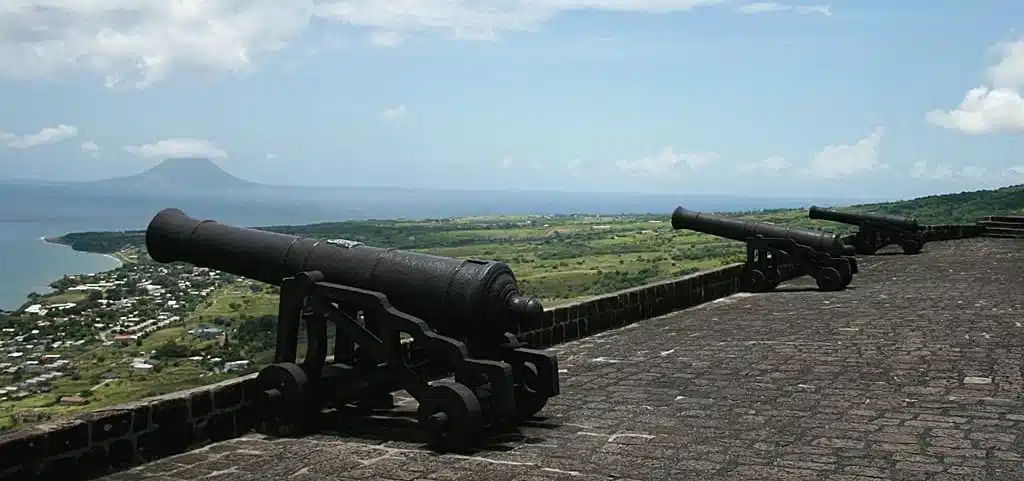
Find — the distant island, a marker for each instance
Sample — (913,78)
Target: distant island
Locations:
(177,180)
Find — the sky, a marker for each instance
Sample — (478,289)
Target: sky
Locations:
(864,98)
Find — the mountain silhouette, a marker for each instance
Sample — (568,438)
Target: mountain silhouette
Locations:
(177,174)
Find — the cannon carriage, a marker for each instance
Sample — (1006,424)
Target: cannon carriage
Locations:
(460,357)
(776,253)
(875,231)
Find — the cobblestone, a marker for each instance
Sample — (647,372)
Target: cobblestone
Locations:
(861,385)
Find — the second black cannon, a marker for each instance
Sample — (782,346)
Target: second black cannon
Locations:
(778,253)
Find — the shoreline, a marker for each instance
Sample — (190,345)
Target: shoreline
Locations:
(53,240)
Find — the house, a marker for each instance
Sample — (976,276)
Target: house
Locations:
(207,333)
(236,365)
(126,338)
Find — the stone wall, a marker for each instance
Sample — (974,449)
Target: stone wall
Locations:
(121,436)
(1008,226)
(941,232)
(590,316)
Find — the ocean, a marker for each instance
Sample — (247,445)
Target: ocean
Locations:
(28,263)
(28,213)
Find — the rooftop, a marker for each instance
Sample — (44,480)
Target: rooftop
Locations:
(914,372)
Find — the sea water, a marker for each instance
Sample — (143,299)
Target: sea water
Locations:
(28,264)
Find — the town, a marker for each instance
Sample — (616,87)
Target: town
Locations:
(60,349)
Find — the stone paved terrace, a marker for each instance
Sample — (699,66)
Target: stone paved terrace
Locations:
(913,373)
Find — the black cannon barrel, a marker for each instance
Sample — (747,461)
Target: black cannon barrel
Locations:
(855,218)
(445,292)
(741,230)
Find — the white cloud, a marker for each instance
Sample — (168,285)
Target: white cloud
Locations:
(772,164)
(177,147)
(972,172)
(387,38)
(922,170)
(770,7)
(48,135)
(996,106)
(271,156)
(137,43)
(92,149)
(506,163)
(835,161)
(968,175)
(668,161)
(393,114)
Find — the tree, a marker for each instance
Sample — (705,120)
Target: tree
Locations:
(171,350)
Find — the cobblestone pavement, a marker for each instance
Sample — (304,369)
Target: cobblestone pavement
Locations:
(912,373)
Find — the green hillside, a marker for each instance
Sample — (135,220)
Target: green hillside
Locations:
(964,207)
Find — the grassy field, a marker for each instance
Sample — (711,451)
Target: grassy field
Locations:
(65,297)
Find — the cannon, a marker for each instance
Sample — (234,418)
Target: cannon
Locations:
(776,253)
(875,231)
(440,328)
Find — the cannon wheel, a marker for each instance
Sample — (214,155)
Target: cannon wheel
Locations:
(529,400)
(450,415)
(847,279)
(829,279)
(285,382)
(284,390)
(911,247)
(756,280)
(866,248)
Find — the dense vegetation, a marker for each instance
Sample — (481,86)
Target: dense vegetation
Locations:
(964,207)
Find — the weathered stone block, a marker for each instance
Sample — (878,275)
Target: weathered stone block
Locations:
(121,453)
(557,334)
(200,404)
(109,424)
(221,426)
(65,437)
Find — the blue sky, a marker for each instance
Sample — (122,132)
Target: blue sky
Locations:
(865,98)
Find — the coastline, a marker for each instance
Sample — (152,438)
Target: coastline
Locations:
(57,241)
(46,291)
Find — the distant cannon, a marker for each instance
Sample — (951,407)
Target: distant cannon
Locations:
(461,315)
(876,231)
(777,253)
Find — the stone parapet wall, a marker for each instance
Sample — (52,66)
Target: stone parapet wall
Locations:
(591,316)
(941,232)
(121,436)
(1003,226)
